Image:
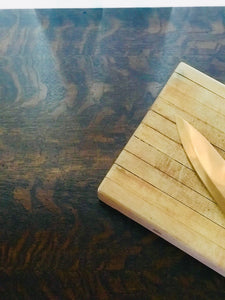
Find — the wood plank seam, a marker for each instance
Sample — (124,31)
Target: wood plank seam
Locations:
(198,101)
(185,68)
(136,143)
(179,81)
(173,122)
(187,112)
(163,116)
(164,192)
(164,152)
(147,143)
(211,91)
(192,105)
(187,117)
(201,84)
(167,173)
(171,104)
(161,133)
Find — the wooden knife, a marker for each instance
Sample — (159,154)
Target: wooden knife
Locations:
(207,162)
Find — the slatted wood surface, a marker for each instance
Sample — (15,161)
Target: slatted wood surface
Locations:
(152,180)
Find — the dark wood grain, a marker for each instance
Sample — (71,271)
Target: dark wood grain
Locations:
(74,84)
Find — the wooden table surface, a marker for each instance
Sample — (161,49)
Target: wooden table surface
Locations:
(74,85)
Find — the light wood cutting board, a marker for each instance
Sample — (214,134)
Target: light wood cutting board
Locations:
(152,180)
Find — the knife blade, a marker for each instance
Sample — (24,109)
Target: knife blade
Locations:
(206,161)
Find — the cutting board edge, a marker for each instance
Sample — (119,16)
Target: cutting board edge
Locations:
(108,199)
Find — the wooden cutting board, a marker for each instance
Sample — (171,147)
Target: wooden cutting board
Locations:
(152,180)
